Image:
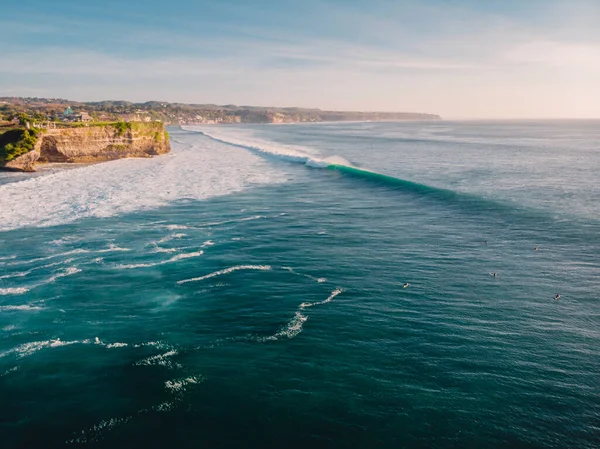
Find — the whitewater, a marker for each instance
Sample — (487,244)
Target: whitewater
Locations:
(190,172)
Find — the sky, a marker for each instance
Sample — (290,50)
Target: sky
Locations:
(458,58)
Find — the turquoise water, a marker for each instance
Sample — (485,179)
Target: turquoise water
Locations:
(247,290)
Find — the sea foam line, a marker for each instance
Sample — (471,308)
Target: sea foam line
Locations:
(32,347)
(180,385)
(52,256)
(154,264)
(27,349)
(20,290)
(94,433)
(13,291)
(314,278)
(227,271)
(21,307)
(177,387)
(295,325)
(160,359)
(170,237)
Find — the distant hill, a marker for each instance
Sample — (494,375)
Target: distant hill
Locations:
(187,114)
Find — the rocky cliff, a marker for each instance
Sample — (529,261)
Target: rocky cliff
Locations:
(94,143)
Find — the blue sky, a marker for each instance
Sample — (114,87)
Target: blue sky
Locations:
(458,58)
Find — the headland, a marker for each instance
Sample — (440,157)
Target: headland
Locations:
(23,147)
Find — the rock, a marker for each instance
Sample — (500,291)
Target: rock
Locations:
(25,162)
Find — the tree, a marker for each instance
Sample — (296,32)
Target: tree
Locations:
(23,118)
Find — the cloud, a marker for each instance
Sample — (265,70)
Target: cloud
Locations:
(456,58)
(555,54)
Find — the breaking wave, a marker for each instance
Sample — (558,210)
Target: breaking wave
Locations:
(293,153)
(310,157)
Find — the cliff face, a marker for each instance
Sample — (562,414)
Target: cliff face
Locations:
(95,144)
(25,162)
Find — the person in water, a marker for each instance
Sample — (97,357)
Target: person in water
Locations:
(557,297)
(406,285)
(535,249)
(494,274)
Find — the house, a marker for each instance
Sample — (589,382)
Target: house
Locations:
(85,117)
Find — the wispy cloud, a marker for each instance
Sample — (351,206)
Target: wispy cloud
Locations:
(451,58)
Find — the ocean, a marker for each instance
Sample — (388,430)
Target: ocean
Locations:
(333,285)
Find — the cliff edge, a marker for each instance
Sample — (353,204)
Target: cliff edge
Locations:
(93,143)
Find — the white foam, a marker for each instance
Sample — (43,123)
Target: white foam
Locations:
(63,240)
(185,256)
(159,249)
(16,275)
(24,307)
(164,407)
(170,237)
(11,370)
(13,291)
(160,359)
(95,433)
(179,385)
(247,138)
(235,220)
(52,256)
(113,248)
(292,328)
(314,278)
(336,292)
(203,170)
(26,273)
(296,323)
(172,227)
(30,348)
(226,271)
(154,264)
(154,344)
(65,272)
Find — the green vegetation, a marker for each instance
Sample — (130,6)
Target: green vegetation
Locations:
(122,127)
(16,142)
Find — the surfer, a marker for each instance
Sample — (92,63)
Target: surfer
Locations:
(405,285)
(557,297)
